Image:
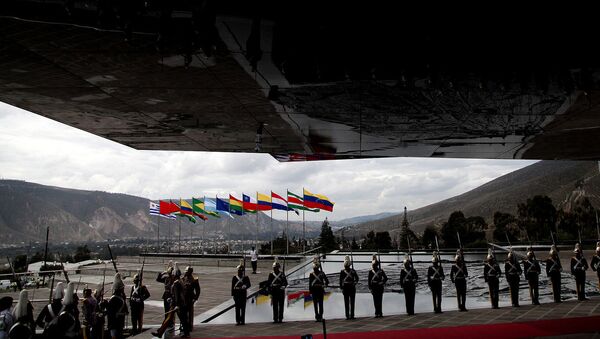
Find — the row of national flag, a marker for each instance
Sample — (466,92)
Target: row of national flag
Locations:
(215,207)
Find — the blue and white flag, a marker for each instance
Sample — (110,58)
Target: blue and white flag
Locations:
(155,210)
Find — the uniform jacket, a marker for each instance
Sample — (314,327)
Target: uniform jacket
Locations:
(408,276)
(578,265)
(277,282)
(491,271)
(512,270)
(377,279)
(317,282)
(458,272)
(553,266)
(348,278)
(240,286)
(435,274)
(531,268)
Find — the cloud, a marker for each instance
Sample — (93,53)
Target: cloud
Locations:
(41,150)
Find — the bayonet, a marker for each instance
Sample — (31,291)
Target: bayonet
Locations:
(112,259)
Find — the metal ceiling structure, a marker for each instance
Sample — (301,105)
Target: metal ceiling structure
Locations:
(306,81)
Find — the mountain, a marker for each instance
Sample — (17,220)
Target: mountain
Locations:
(562,181)
(360,219)
(77,215)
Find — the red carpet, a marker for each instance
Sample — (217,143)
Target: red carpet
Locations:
(538,328)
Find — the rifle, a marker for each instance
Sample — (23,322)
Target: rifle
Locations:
(437,248)
(351,257)
(63,269)
(580,243)
(459,242)
(409,250)
(112,259)
(103,282)
(79,282)
(51,288)
(508,240)
(17,281)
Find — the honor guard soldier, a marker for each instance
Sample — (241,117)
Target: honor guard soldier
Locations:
(53,309)
(6,318)
(137,295)
(435,275)
(88,308)
(68,319)
(24,326)
(348,281)
(491,274)
(277,282)
(116,309)
(408,282)
(317,281)
(553,269)
(191,290)
(167,279)
(512,270)
(376,281)
(596,262)
(531,268)
(458,275)
(578,267)
(239,291)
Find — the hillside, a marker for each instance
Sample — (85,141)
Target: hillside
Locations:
(76,215)
(556,179)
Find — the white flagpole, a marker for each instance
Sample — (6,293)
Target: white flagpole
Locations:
(179,242)
(158,231)
(271,222)
(257,228)
(287,221)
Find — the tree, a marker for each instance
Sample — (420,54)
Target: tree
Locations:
(456,223)
(354,244)
(327,240)
(428,238)
(537,217)
(406,233)
(505,224)
(82,253)
(383,241)
(368,242)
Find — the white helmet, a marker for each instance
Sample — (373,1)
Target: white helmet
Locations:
(347,261)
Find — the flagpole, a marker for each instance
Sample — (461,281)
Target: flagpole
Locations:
(256,235)
(271,222)
(303,226)
(287,240)
(179,242)
(229,227)
(303,233)
(216,231)
(204,228)
(158,232)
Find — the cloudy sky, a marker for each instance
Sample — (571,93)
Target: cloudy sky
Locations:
(40,150)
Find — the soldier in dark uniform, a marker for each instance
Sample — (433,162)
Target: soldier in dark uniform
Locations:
(88,308)
(578,267)
(240,283)
(376,281)
(24,324)
(435,275)
(458,275)
(68,319)
(408,282)
(178,300)
(491,274)
(53,309)
(317,281)
(167,279)
(139,292)
(191,291)
(277,282)
(531,268)
(97,331)
(116,309)
(596,262)
(512,270)
(348,281)
(553,269)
